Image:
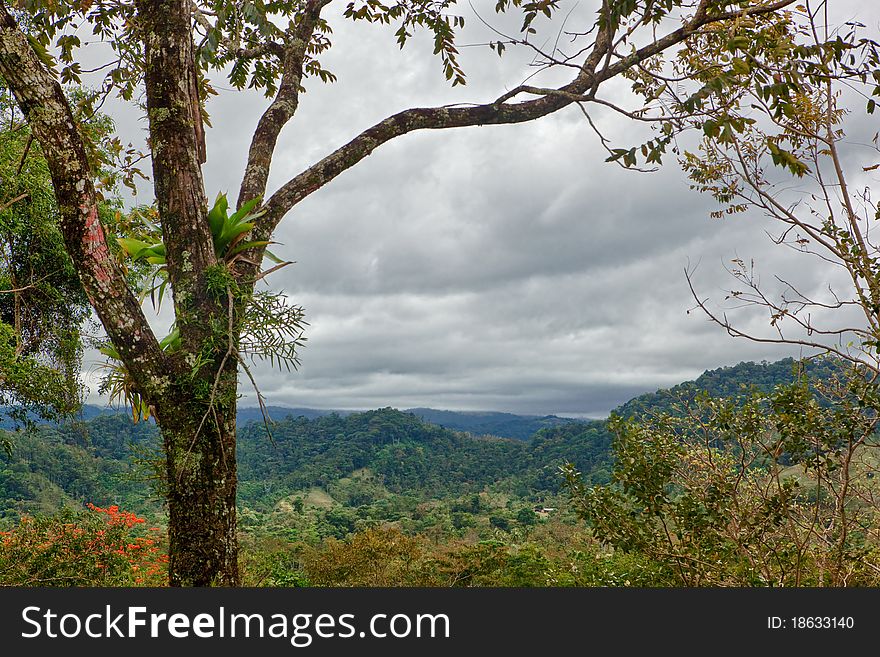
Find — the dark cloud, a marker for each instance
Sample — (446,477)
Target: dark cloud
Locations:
(506,268)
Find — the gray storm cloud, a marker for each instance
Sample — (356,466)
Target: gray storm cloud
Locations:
(504,268)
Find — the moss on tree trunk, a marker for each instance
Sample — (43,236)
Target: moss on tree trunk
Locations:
(199,440)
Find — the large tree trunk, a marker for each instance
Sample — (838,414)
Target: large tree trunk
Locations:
(201,472)
(197,413)
(199,441)
(194,406)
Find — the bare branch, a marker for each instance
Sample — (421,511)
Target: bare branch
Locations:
(738,333)
(283,107)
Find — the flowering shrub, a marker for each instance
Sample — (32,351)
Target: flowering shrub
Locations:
(98,547)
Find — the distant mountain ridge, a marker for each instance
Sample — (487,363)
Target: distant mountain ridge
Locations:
(506,425)
(732,381)
(361,458)
(478,423)
(720,382)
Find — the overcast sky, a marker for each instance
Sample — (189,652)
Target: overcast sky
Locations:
(498,268)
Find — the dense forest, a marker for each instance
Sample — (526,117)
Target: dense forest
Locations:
(318,495)
(730,382)
(106,459)
(363,457)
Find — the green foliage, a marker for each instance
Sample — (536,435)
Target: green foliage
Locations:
(108,547)
(731,382)
(272,329)
(245,40)
(43,308)
(101,461)
(526,517)
(100,547)
(323,478)
(738,491)
(269,328)
(42,305)
(385,465)
(489,423)
(499,522)
(732,52)
(411,456)
(553,555)
(228,231)
(773,63)
(386,557)
(772,490)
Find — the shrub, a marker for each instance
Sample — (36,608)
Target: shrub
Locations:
(97,547)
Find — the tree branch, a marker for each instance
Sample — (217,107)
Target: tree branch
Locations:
(283,107)
(498,112)
(737,333)
(45,107)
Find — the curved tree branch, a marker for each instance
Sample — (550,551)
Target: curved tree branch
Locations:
(498,112)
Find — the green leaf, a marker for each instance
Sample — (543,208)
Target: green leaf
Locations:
(131,246)
(740,66)
(738,43)
(274,258)
(244,210)
(171,342)
(110,350)
(217,215)
(246,245)
(230,232)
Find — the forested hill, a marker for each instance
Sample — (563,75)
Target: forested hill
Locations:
(357,456)
(504,425)
(490,423)
(412,457)
(106,460)
(103,460)
(478,423)
(729,382)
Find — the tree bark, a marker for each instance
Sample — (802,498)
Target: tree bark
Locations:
(194,404)
(199,443)
(177,173)
(283,107)
(45,107)
(197,415)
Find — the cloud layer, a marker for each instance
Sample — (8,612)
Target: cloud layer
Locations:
(505,268)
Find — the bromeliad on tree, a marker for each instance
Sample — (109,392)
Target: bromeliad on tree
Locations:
(268,329)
